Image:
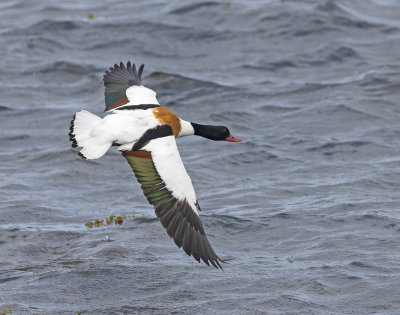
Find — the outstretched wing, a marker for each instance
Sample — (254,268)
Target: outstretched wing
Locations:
(167,186)
(119,79)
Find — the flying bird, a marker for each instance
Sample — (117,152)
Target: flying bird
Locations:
(145,134)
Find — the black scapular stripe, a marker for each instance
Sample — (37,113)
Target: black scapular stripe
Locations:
(143,106)
(151,134)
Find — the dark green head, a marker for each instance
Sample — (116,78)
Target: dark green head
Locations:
(217,133)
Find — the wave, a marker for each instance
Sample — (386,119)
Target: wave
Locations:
(15,138)
(335,145)
(276,109)
(194,7)
(236,116)
(63,67)
(5,108)
(177,84)
(328,55)
(45,25)
(339,112)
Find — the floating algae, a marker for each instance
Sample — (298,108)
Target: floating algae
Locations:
(109,220)
(98,223)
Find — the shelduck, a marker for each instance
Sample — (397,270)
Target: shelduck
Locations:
(145,134)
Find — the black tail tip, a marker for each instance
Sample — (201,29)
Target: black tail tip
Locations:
(71,133)
(82,156)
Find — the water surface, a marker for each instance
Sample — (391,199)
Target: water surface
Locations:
(306,208)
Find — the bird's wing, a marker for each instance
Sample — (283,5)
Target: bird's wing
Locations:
(123,86)
(167,186)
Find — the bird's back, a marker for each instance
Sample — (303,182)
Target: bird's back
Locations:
(126,126)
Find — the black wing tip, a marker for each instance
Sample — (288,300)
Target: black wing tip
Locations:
(185,228)
(209,254)
(121,74)
(218,261)
(215,262)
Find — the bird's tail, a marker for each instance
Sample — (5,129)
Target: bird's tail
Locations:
(81,134)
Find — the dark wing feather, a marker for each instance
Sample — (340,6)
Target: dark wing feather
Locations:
(117,80)
(177,216)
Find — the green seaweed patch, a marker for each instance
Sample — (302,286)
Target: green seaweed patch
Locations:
(98,223)
(112,219)
(9,311)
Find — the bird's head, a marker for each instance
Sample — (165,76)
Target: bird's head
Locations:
(217,133)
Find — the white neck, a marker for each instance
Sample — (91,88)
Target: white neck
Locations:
(186,129)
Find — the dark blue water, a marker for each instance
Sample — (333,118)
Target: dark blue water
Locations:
(306,209)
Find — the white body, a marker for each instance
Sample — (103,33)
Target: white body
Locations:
(96,135)
(125,127)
